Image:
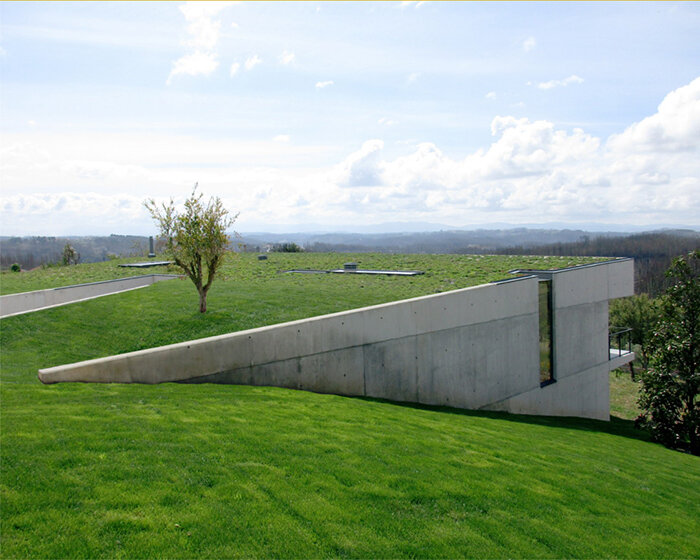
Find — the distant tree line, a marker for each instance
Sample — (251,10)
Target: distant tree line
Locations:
(653,253)
(31,252)
(445,241)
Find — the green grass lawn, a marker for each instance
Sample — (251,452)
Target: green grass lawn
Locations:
(623,395)
(183,471)
(55,276)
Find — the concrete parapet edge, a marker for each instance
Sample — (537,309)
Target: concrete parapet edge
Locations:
(38,300)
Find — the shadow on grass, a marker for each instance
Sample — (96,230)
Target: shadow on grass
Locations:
(616,426)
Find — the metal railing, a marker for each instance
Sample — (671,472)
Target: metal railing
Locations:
(621,335)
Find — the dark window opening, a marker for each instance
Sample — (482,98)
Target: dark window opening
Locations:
(546,332)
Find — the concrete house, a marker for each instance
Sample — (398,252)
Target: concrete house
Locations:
(534,344)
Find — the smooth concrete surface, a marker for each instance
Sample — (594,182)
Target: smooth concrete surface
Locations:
(454,348)
(471,348)
(27,302)
(586,394)
(581,356)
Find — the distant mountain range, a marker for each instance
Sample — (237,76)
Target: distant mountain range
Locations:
(426,227)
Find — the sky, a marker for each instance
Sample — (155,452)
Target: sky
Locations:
(353,116)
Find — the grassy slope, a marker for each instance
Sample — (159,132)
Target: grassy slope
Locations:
(229,471)
(623,395)
(55,276)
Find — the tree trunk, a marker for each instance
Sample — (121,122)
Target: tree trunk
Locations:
(202,301)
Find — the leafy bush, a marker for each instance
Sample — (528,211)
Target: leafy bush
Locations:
(670,391)
(641,314)
(286,248)
(15,267)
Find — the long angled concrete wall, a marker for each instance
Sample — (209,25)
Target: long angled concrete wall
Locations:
(471,348)
(463,348)
(26,302)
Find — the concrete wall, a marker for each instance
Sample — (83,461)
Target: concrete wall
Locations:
(460,348)
(581,355)
(26,302)
(471,348)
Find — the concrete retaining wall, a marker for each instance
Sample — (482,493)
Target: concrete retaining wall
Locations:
(26,302)
(471,348)
(457,348)
(581,358)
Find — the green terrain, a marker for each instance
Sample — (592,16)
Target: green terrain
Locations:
(183,471)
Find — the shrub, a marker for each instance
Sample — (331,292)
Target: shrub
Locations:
(670,392)
(286,248)
(70,255)
(641,314)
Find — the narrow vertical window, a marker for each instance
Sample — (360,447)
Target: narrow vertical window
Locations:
(546,366)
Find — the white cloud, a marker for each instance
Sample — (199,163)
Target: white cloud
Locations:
(91,204)
(387,122)
(3,52)
(573,79)
(675,126)
(362,168)
(529,44)
(524,147)
(287,57)
(252,61)
(414,3)
(203,31)
(532,171)
(490,95)
(535,172)
(321,85)
(31,122)
(235,67)
(38,160)
(412,77)
(195,64)
(425,169)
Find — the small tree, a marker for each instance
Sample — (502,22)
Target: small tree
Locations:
(70,255)
(195,239)
(670,391)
